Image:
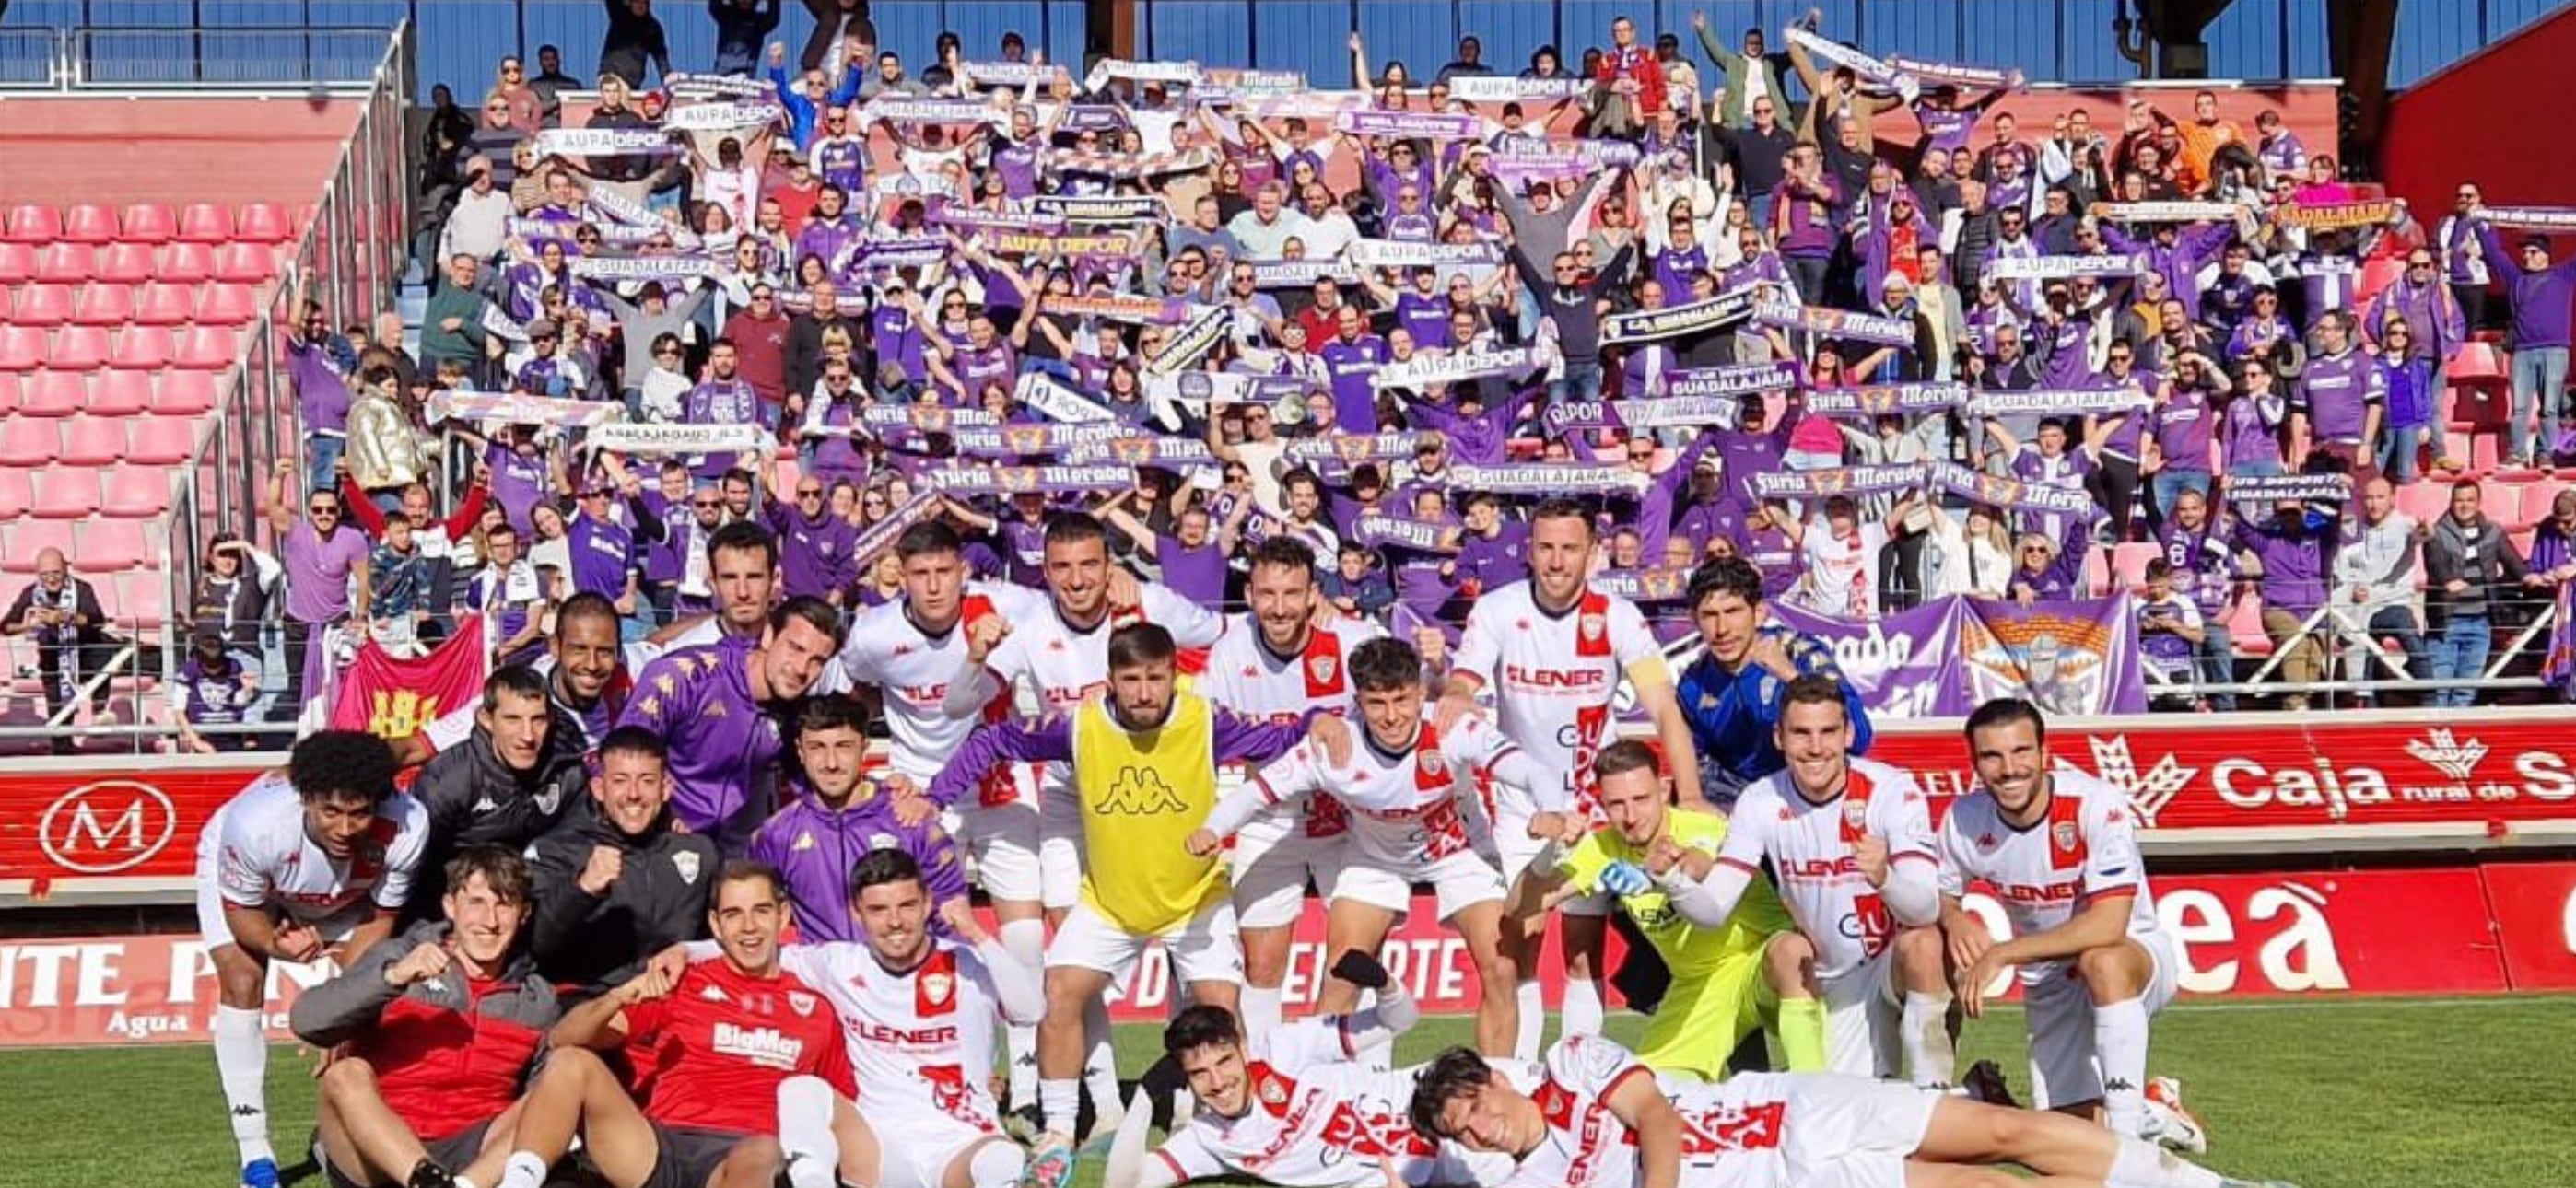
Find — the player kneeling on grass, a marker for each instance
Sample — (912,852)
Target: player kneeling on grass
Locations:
(920,1014)
(745,1069)
(307,863)
(1291,1105)
(2056,846)
(1652,861)
(1403,792)
(1591,1116)
(437,1029)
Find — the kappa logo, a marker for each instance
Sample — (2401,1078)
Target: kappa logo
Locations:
(801,1002)
(2445,753)
(2149,791)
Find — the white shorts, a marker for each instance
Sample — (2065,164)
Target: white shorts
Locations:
(1863,1011)
(1272,863)
(1846,1132)
(918,1147)
(1003,841)
(1458,882)
(1060,847)
(1205,948)
(2064,1067)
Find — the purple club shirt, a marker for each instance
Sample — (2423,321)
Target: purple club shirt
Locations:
(815,556)
(602,555)
(723,749)
(1351,364)
(317,571)
(1195,574)
(815,846)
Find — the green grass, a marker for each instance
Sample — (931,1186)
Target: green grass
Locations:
(2418,1093)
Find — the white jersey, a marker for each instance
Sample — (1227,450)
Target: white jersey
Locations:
(1062,664)
(920,1041)
(1810,848)
(1733,1132)
(1245,676)
(263,857)
(1319,1119)
(2086,848)
(1552,677)
(912,668)
(1406,811)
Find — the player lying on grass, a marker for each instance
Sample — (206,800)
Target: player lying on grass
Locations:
(1591,1116)
(1403,796)
(1292,1105)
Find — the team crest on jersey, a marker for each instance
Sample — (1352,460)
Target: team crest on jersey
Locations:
(686,862)
(1592,625)
(549,798)
(1433,763)
(804,841)
(2062,835)
(883,841)
(1273,1093)
(1321,668)
(1855,814)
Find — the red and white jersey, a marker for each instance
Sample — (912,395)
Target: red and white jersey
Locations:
(1062,664)
(921,1040)
(1552,677)
(1319,1119)
(2084,849)
(265,859)
(912,668)
(1245,676)
(713,1051)
(1407,810)
(1810,847)
(1733,1132)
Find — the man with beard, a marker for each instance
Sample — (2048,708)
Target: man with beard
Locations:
(836,814)
(615,882)
(718,711)
(584,683)
(435,1031)
(1730,695)
(742,567)
(507,784)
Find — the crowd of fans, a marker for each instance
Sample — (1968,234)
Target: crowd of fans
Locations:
(1218,307)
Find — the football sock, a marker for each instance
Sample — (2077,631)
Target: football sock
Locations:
(2137,1163)
(2120,1037)
(1802,1034)
(1060,1104)
(1533,1021)
(805,1133)
(1100,1065)
(1930,1057)
(1025,941)
(1261,1010)
(241,1062)
(524,1170)
(1580,1014)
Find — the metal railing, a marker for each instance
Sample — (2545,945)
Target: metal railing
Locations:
(350,256)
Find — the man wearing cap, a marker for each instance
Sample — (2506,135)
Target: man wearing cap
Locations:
(2540,295)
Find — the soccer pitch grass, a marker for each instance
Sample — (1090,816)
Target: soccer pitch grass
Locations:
(2406,1093)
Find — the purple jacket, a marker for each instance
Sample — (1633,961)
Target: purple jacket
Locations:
(2542,301)
(2180,263)
(2430,313)
(815,847)
(723,748)
(1238,739)
(2296,562)
(1351,365)
(815,556)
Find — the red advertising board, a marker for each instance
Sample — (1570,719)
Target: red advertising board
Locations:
(98,823)
(2274,935)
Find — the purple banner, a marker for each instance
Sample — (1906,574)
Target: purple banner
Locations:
(1946,657)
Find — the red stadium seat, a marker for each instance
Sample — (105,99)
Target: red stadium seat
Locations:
(143,601)
(55,394)
(228,305)
(93,441)
(2424,502)
(161,441)
(88,222)
(205,222)
(2096,577)
(2537,498)
(115,546)
(264,222)
(45,305)
(148,222)
(2477,363)
(114,393)
(2486,450)
(17,494)
(68,493)
(166,304)
(125,263)
(33,223)
(2129,564)
(11,391)
(66,263)
(246,263)
(137,492)
(30,537)
(2501,503)
(23,348)
(103,304)
(186,264)
(29,442)
(17,263)
(208,348)
(80,348)
(184,394)
(142,348)
(2245,629)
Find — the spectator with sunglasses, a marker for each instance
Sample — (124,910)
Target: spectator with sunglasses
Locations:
(817,550)
(322,555)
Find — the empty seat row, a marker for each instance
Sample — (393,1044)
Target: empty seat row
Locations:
(149,222)
(134,348)
(93,440)
(134,263)
(128,490)
(115,303)
(108,392)
(96,547)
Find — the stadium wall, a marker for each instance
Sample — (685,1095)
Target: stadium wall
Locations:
(2488,119)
